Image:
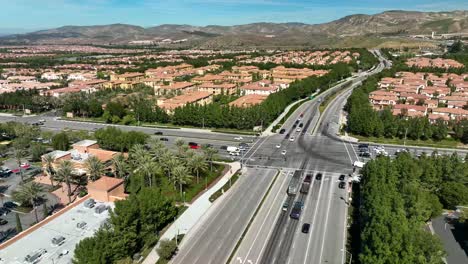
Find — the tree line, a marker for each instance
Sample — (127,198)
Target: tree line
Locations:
(397,198)
(365,121)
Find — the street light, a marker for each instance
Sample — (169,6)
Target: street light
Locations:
(351,255)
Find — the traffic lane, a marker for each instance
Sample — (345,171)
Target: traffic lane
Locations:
(335,239)
(300,244)
(259,232)
(239,204)
(220,250)
(318,232)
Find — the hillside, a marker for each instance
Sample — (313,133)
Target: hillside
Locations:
(340,32)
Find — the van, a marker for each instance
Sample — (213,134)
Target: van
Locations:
(58,240)
(305,187)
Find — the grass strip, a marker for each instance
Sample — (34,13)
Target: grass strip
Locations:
(446,143)
(225,187)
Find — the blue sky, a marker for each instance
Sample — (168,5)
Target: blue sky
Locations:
(41,14)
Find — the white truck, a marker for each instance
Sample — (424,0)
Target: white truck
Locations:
(233,151)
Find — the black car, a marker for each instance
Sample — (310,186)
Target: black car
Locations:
(363,146)
(3,222)
(301,124)
(10,205)
(308,178)
(342,177)
(342,185)
(318,177)
(158,133)
(297,122)
(294,126)
(282,131)
(287,135)
(4,211)
(164,139)
(305,228)
(223,147)
(365,154)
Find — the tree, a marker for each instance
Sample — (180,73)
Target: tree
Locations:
(197,163)
(29,194)
(49,168)
(209,153)
(19,155)
(45,210)
(181,177)
(453,194)
(60,141)
(37,150)
(64,173)
(167,248)
(95,168)
(180,144)
(19,226)
(120,166)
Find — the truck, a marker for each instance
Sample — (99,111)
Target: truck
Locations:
(305,187)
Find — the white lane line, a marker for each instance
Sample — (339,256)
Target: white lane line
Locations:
(326,222)
(264,220)
(347,151)
(313,223)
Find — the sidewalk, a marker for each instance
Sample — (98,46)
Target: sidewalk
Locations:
(194,212)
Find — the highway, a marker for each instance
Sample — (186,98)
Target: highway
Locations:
(214,238)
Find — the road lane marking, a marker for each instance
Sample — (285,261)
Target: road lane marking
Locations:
(313,223)
(326,222)
(268,213)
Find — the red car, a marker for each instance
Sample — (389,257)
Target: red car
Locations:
(194,146)
(302,115)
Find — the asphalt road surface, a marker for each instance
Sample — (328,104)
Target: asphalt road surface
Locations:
(216,235)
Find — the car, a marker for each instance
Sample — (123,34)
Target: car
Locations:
(6,170)
(302,115)
(81,225)
(58,240)
(194,146)
(278,145)
(342,177)
(41,120)
(298,129)
(283,152)
(244,145)
(301,124)
(25,165)
(285,205)
(308,178)
(365,154)
(297,121)
(4,211)
(305,228)
(291,139)
(208,146)
(282,131)
(363,146)
(10,205)
(223,147)
(287,135)
(3,222)
(318,177)
(164,139)
(158,133)
(342,185)
(89,203)
(294,126)
(239,138)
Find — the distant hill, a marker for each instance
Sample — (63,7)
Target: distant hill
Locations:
(338,32)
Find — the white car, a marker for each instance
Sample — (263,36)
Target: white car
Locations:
(283,152)
(42,120)
(238,138)
(291,139)
(298,129)
(278,146)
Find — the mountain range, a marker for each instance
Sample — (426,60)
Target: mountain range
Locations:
(357,28)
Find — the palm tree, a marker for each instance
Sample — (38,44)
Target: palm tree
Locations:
(156,148)
(209,153)
(120,166)
(180,144)
(181,177)
(197,163)
(137,154)
(49,168)
(149,168)
(19,154)
(170,162)
(95,168)
(64,173)
(30,192)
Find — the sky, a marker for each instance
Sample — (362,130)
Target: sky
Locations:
(24,15)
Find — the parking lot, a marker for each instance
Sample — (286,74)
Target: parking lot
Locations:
(73,225)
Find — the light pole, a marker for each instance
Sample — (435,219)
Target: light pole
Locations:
(350,255)
(406,132)
(184,198)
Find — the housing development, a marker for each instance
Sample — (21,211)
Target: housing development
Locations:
(246,144)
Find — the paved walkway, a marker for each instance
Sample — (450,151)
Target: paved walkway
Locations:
(194,212)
